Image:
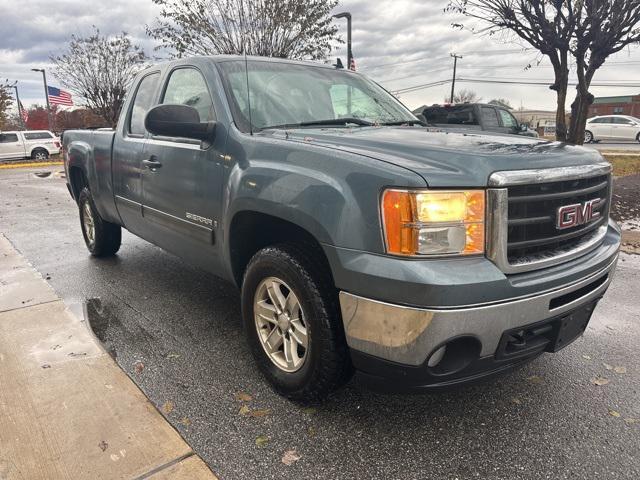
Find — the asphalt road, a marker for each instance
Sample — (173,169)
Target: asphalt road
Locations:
(176,331)
(631,147)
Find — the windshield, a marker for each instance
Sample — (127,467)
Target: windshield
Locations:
(291,95)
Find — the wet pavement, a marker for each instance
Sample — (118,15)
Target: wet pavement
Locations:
(177,332)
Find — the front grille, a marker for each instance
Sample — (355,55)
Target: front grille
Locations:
(532,215)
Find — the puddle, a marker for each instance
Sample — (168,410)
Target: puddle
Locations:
(102,322)
(42,174)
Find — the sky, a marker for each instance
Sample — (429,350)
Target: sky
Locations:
(398,43)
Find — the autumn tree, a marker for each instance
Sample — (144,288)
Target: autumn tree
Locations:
(273,28)
(99,69)
(6,99)
(464,96)
(587,30)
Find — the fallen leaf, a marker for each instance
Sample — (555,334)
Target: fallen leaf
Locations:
(600,381)
(185,421)
(244,410)
(607,366)
(620,370)
(517,401)
(312,431)
(262,440)
(613,413)
(103,445)
(631,421)
(243,397)
(174,355)
(310,410)
(167,407)
(535,379)
(138,367)
(260,413)
(290,457)
(586,357)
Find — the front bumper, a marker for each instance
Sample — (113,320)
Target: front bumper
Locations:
(390,340)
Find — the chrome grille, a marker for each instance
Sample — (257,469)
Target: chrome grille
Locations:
(522,233)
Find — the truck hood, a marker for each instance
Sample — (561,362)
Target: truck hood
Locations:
(445,159)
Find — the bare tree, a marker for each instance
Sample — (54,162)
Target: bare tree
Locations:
(99,69)
(501,102)
(588,30)
(277,28)
(6,99)
(464,96)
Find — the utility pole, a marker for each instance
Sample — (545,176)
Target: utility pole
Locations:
(15,87)
(46,94)
(455,65)
(347,15)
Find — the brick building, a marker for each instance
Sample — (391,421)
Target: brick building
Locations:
(627,105)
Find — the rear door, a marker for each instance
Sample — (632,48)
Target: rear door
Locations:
(182,178)
(11,146)
(602,128)
(490,120)
(127,153)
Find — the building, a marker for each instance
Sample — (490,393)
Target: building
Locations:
(535,118)
(625,105)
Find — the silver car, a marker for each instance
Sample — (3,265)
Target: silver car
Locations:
(612,127)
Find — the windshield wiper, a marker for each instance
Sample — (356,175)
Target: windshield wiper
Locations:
(330,121)
(404,122)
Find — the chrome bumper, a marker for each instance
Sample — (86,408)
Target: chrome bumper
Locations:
(409,335)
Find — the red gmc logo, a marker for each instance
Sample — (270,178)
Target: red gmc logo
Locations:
(578,214)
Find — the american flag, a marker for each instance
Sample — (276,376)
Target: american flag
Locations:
(59,97)
(23,113)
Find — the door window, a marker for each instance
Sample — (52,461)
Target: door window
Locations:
(489,117)
(508,120)
(622,121)
(37,135)
(186,86)
(8,138)
(142,103)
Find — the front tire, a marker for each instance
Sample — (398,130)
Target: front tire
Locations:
(293,323)
(588,137)
(102,238)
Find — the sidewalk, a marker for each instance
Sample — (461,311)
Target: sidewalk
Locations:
(67,411)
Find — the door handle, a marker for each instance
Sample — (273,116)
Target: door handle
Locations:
(152,163)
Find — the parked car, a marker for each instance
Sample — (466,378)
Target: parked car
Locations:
(475,116)
(612,127)
(360,240)
(36,144)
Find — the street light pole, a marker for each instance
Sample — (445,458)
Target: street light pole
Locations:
(347,15)
(46,93)
(453,83)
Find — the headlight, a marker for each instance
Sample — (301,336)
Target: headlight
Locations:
(434,222)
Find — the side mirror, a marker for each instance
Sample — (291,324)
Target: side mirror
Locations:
(173,120)
(523,127)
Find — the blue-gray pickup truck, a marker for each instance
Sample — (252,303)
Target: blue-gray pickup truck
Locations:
(361,241)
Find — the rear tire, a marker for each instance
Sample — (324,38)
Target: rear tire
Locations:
(102,238)
(39,154)
(638,138)
(588,137)
(323,361)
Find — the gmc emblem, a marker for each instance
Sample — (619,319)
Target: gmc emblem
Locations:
(578,214)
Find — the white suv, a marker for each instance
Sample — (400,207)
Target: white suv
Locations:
(36,144)
(612,127)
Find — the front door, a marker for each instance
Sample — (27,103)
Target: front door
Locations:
(11,146)
(623,129)
(182,179)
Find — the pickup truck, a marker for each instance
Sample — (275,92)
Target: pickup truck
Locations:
(361,241)
(35,144)
(474,116)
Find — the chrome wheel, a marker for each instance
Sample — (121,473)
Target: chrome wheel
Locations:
(88,223)
(588,137)
(41,155)
(280,323)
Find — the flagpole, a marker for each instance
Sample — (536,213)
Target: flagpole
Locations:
(46,94)
(15,87)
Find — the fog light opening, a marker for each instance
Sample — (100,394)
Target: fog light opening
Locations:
(454,356)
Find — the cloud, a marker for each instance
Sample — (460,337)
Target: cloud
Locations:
(399,43)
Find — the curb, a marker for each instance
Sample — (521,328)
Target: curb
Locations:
(29,164)
(67,410)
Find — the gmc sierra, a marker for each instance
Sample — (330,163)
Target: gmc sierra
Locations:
(361,240)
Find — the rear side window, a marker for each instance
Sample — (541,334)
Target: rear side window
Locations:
(8,137)
(489,117)
(186,86)
(142,103)
(454,115)
(37,135)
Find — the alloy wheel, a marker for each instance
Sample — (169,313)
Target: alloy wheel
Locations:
(88,223)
